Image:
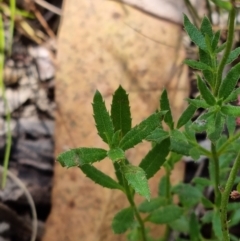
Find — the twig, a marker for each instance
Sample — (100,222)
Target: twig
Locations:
(49,7)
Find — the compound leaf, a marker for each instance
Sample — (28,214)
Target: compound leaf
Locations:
(123,220)
(102,118)
(136,178)
(155,158)
(81,156)
(120,111)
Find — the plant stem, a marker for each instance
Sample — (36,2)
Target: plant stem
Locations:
(216,175)
(225,197)
(132,203)
(227,51)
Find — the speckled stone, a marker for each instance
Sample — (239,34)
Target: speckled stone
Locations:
(103,44)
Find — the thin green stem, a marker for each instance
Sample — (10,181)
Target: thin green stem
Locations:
(132,203)
(216,175)
(225,197)
(227,143)
(168,185)
(7,112)
(228,48)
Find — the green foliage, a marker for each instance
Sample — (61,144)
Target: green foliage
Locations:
(136,178)
(102,118)
(141,131)
(123,220)
(99,177)
(155,158)
(81,156)
(120,111)
(218,122)
(166,214)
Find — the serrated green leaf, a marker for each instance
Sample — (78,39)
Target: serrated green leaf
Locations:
(120,111)
(116,138)
(153,204)
(233,96)
(179,143)
(197,65)
(194,228)
(165,215)
(140,132)
(81,156)
(233,55)
(206,27)
(194,153)
(198,103)
(216,225)
(215,41)
(231,110)
(116,154)
(229,82)
(136,178)
(155,158)
(158,135)
(102,118)
(123,220)
(99,177)
(205,92)
(188,195)
(186,115)
(195,35)
(165,106)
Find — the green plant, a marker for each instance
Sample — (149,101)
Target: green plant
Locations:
(216,95)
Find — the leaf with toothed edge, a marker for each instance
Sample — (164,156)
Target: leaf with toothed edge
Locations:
(120,111)
(102,118)
(99,177)
(136,178)
(140,131)
(81,156)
